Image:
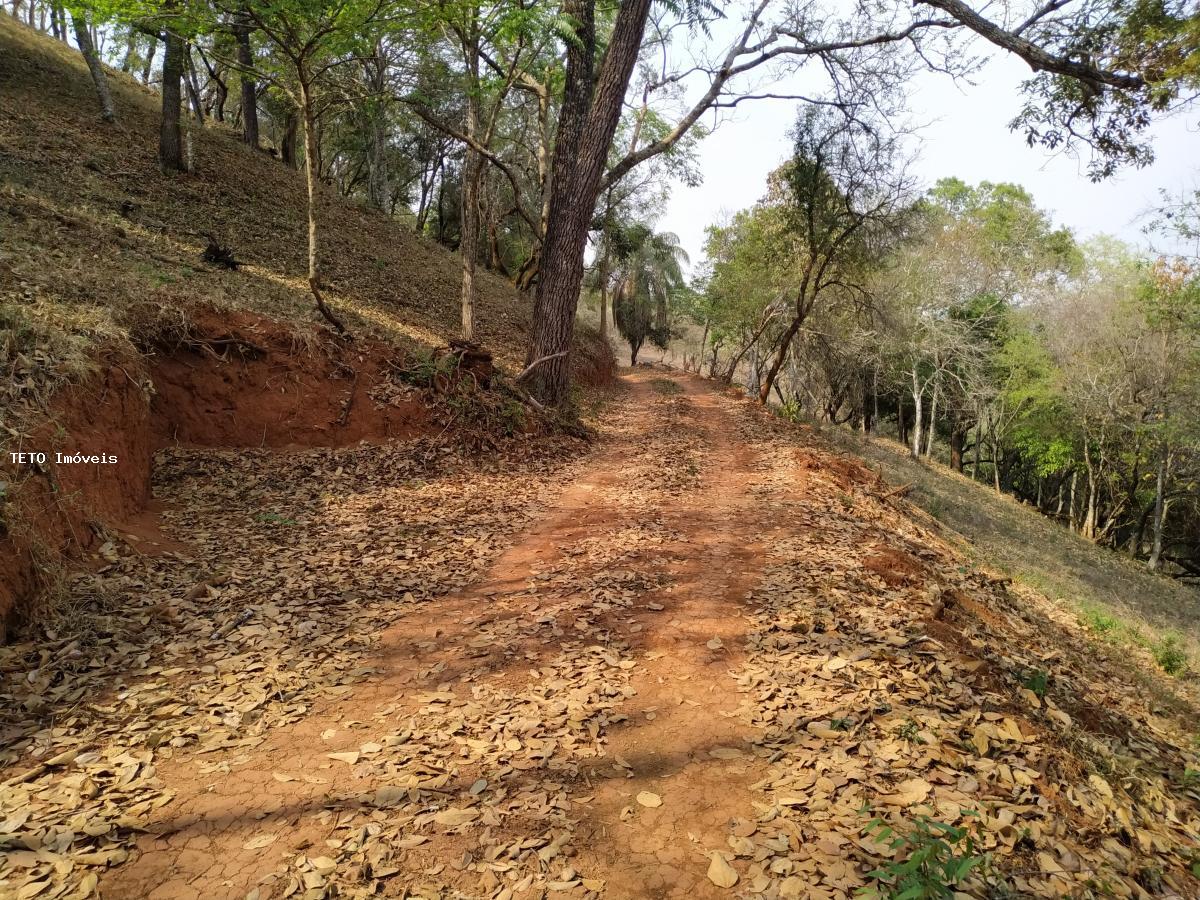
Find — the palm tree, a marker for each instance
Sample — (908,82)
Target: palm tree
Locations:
(648,266)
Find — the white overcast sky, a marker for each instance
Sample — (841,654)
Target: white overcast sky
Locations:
(968,137)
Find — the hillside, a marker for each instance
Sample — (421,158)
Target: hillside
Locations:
(94,236)
(1111,593)
(118,338)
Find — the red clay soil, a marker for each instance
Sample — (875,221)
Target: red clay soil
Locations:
(51,510)
(239,380)
(234,380)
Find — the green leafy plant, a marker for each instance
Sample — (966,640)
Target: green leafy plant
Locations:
(1036,681)
(928,861)
(425,369)
(791,410)
(1098,621)
(274,518)
(910,731)
(1169,655)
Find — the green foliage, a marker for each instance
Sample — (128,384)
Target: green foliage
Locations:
(274,518)
(1099,621)
(1168,652)
(790,410)
(910,730)
(427,369)
(649,270)
(1036,681)
(929,860)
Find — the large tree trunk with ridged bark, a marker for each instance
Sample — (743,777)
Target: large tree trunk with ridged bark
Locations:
(245,58)
(170,136)
(590,111)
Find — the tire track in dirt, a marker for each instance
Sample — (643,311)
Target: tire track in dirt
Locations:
(684,742)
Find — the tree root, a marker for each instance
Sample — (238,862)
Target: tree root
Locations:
(328,313)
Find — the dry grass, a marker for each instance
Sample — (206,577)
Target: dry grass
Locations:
(1113,596)
(99,251)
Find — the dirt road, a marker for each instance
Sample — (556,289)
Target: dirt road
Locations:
(682,665)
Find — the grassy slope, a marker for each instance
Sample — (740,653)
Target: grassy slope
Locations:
(1094,583)
(76,272)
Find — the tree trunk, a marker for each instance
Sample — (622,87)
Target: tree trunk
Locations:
(604,312)
(469,195)
(585,130)
(287,147)
(148,68)
(996,463)
(379,193)
(84,38)
(170,138)
(1072,509)
(1160,483)
(130,49)
(310,182)
(958,437)
(245,58)
(917,392)
(1088,529)
(764,390)
(933,404)
(468,247)
(193,86)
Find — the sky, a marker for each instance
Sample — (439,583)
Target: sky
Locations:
(967,136)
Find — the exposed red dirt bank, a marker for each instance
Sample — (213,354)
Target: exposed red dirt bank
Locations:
(236,380)
(53,509)
(240,380)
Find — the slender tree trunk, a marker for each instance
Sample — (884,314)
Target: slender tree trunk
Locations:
(287,148)
(875,399)
(917,392)
(310,182)
(1089,520)
(151,52)
(604,304)
(1073,507)
(996,463)
(469,211)
(585,131)
(469,244)
(245,58)
(130,49)
(170,137)
(193,86)
(378,187)
(764,390)
(83,37)
(1160,512)
(958,438)
(933,404)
